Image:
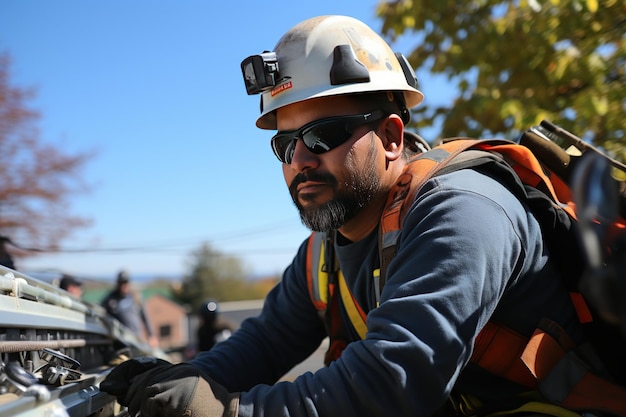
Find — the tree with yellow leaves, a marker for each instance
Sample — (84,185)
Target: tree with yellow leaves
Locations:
(516,62)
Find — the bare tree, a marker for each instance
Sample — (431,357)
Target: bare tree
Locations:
(36,178)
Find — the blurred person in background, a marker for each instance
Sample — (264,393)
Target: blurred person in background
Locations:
(71,285)
(5,257)
(213,329)
(126,305)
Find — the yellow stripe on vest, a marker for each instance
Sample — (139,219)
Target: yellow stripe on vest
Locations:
(357,319)
(322,277)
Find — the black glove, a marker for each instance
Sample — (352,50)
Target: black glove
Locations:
(170,391)
(118,381)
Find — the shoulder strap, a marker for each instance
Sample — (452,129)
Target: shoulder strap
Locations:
(417,172)
(456,154)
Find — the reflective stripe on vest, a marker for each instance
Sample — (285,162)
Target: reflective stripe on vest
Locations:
(318,282)
(354,310)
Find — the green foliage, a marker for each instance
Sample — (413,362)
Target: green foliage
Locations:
(214,275)
(516,62)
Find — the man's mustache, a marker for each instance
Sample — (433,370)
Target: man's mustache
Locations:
(323,177)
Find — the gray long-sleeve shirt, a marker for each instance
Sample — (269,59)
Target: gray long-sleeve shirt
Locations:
(469,251)
(128,309)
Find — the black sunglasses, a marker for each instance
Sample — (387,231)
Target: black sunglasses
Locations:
(321,135)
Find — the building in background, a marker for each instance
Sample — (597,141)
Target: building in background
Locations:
(170,322)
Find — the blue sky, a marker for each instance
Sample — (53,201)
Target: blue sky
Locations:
(154,87)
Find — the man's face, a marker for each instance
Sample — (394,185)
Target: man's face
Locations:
(331,188)
(124,287)
(75,290)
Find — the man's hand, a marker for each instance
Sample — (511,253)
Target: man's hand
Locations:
(118,381)
(169,390)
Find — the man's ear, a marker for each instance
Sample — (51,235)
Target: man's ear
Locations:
(392,133)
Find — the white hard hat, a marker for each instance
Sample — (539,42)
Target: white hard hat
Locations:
(326,56)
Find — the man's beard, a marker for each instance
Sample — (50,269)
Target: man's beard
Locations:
(358,190)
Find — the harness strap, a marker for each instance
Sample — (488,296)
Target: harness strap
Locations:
(461,152)
(497,349)
(531,172)
(541,363)
(336,331)
(550,354)
(405,189)
(321,277)
(354,310)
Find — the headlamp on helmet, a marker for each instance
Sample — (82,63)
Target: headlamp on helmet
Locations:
(260,72)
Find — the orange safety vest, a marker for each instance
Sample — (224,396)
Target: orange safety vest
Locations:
(548,361)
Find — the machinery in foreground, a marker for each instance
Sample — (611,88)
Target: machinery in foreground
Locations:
(56,349)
